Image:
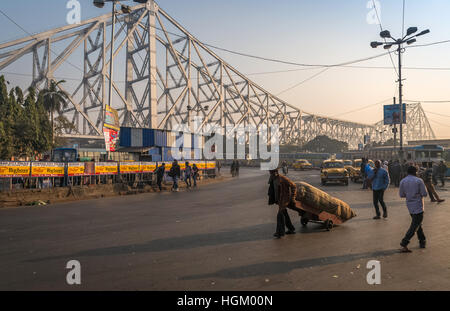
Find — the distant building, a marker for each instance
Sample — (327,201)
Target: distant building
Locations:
(441,142)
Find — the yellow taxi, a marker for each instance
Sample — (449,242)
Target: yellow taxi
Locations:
(333,170)
(301,164)
(348,165)
(355,173)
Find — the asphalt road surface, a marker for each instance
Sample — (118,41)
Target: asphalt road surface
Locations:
(219,237)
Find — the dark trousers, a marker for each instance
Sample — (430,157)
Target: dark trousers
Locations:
(416,226)
(159,182)
(283,220)
(187,180)
(378,196)
(431,191)
(396,180)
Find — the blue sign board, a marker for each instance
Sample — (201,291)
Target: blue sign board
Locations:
(392,114)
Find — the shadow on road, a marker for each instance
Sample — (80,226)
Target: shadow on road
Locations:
(277,267)
(247,234)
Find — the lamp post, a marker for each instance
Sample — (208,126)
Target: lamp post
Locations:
(126,9)
(409,38)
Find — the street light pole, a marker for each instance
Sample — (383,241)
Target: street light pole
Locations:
(111,62)
(394,130)
(409,38)
(400,97)
(100,4)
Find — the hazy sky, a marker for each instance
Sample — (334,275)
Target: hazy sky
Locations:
(319,31)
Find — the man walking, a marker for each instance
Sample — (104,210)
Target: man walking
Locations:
(380,181)
(363,173)
(282,191)
(195,174)
(413,189)
(442,170)
(160,175)
(396,171)
(175,173)
(188,175)
(428,180)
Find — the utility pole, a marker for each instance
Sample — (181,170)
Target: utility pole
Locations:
(400,97)
(409,38)
(394,130)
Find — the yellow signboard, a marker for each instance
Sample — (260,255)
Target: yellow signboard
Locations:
(106,168)
(14,169)
(148,167)
(200,164)
(182,165)
(129,167)
(47,169)
(75,169)
(210,165)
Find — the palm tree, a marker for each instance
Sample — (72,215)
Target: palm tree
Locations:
(54,99)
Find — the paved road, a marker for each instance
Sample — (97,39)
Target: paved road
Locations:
(218,237)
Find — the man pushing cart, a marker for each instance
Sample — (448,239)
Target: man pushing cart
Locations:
(311,203)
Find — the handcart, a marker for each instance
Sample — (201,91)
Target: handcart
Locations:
(310,214)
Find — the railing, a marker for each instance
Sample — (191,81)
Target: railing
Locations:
(41,175)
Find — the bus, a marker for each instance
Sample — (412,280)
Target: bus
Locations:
(422,154)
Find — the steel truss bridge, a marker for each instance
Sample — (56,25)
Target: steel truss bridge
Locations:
(170,77)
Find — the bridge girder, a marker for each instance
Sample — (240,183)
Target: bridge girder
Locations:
(170,78)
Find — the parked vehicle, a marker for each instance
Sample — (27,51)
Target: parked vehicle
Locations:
(334,171)
(301,164)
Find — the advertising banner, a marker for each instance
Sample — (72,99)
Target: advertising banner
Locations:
(111,119)
(182,165)
(89,168)
(111,139)
(14,169)
(201,165)
(75,169)
(129,167)
(148,167)
(168,165)
(392,114)
(106,168)
(47,169)
(210,165)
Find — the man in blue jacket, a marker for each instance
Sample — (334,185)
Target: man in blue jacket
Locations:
(380,181)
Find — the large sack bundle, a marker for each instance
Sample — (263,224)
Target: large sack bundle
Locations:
(322,201)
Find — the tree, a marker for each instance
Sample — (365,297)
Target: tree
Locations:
(325,144)
(25,128)
(54,100)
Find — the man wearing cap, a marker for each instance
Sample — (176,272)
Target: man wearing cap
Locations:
(413,189)
(282,191)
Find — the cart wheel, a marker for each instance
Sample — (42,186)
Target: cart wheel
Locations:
(304,221)
(328,224)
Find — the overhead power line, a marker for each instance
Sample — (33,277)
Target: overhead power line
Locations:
(362,108)
(303,81)
(427,101)
(381,29)
(438,114)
